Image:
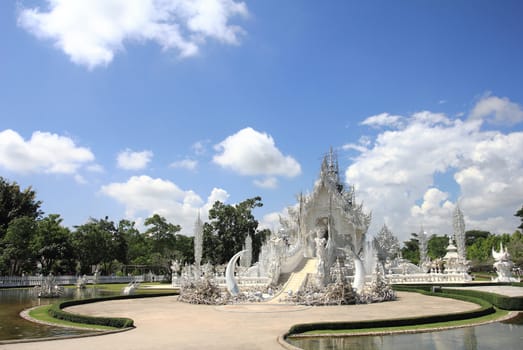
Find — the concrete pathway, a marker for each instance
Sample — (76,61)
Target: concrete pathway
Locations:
(508,291)
(164,323)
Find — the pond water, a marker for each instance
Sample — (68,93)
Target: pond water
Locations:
(13,301)
(499,335)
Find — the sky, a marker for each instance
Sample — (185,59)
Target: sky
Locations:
(125,108)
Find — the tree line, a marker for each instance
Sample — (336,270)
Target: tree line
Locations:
(31,242)
(479,245)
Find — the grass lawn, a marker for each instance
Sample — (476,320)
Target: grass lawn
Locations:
(40,314)
(471,321)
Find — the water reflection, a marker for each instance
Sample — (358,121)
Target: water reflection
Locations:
(499,335)
(13,301)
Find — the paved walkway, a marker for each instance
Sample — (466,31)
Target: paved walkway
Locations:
(165,323)
(508,291)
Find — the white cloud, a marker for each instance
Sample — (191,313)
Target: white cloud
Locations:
(144,196)
(497,110)
(383,119)
(269,182)
(189,164)
(250,152)
(271,221)
(90,32)
(396,175)
(130,160)
(200,147)
(44,152)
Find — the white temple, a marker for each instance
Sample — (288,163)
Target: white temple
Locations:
(323,240)
(323,227)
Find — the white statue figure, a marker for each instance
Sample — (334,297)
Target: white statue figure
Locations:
(503,265)
(321,244)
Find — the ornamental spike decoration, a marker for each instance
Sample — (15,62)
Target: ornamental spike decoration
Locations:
(459,233)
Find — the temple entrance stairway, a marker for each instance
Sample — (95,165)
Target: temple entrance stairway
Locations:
(296,280)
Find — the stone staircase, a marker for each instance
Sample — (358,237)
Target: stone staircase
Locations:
(296,280)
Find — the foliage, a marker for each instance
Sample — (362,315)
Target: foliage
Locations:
(19,209)
(94,245)
(437,246)
(520,214)
(53,247)
(410,249)
(228,228)
(17,245)
(16,203)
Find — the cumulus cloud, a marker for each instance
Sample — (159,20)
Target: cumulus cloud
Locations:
(269,182)
(497,110)
(403,175)
(144,196)
(249,152)
(189,164)
(44,152)
(383,120)
(130,160)
(91,32)
(200,147)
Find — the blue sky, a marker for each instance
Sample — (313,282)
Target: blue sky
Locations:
(126,108)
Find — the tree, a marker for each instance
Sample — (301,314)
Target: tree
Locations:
(98,242)
(133,243)
(52,246)
(473,236)
(163,238)
(520,214)
(162,235)
(228,228)
(17,255)
(16,203)
(410,250)
(437,246)
(515,248)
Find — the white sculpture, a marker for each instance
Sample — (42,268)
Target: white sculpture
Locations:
(503,265)
(459,233)
(232,286)
(198,241)
(246,259)
(423,250)
(387,245)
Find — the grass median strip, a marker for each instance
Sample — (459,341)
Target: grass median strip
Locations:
(41,314)
(449,324)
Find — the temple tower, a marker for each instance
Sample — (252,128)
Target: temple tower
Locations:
(198,241)
(459,233)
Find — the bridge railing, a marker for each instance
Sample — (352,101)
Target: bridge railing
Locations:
(31,281)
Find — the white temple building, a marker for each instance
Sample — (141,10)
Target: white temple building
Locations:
(325,232)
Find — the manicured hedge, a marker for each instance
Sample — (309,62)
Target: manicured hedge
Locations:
(485,309)
(500,301)
(56,311)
